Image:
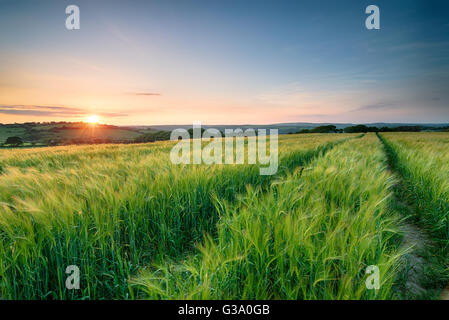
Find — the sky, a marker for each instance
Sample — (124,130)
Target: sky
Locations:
(224,62)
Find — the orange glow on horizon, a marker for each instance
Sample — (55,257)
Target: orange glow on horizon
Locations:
(93,119)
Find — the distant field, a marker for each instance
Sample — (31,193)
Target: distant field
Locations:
(10,132)
(111,134)
(69,133)
(76,133)
(139,226)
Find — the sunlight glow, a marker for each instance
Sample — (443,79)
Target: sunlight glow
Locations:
(92,119)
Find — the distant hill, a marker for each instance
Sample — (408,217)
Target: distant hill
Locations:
(294,127)
(62,133)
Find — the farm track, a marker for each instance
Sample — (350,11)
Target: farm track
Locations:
(416,241)
(311,237)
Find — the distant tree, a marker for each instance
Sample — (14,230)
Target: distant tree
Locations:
(385,129)
(320,129)
(408,128)
(324,129)
(363,128)
(360,128)
(354,129)
(14,141)
(402,129)
(153,136)
(191,132)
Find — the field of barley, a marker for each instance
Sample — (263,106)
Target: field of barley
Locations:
(140,227)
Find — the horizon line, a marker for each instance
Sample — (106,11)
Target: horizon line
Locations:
(245,124)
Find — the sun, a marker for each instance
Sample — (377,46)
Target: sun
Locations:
(93,119)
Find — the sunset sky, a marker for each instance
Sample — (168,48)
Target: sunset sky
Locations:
(224,62)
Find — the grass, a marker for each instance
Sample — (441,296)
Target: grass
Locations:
(422,160)
(111,210)
(141,227)
(311,236)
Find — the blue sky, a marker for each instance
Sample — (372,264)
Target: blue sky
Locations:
(219,62)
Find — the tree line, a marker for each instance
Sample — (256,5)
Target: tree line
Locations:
(364,129)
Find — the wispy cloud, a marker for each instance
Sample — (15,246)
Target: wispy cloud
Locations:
(375,106)
(144,93)
(55,111)
(112,114)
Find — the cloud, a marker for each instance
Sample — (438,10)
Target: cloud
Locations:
(112,114)
(144,93)
(374,106)
(46,111)
(41,110)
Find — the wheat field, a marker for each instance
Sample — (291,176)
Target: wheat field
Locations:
(140,227)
